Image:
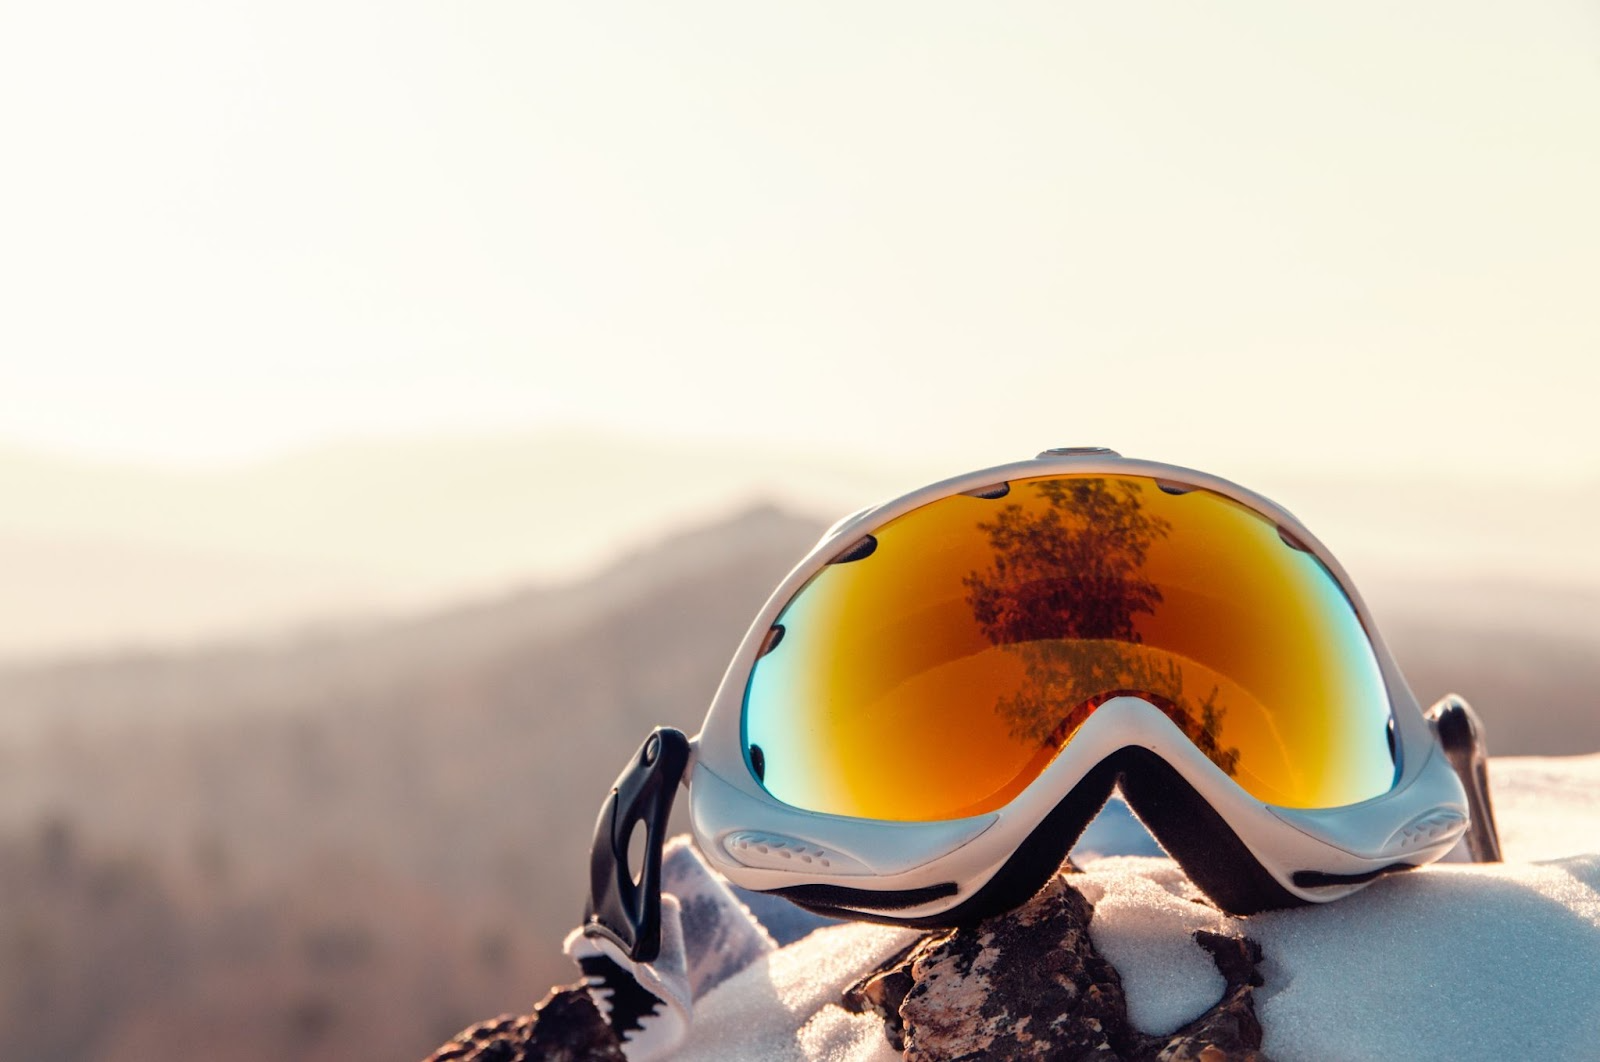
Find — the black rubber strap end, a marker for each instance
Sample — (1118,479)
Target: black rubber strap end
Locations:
(621,909)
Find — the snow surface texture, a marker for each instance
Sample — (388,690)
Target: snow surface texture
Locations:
(1454,961)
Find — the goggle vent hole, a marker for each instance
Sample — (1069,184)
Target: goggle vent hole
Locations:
(862,548)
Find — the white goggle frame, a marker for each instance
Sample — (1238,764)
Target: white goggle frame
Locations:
(923,872)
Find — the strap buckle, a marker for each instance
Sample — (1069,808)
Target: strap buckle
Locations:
(1460,735)
(621,909)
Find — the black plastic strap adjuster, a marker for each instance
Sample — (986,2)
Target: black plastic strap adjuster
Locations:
(1461,738)
(625,911)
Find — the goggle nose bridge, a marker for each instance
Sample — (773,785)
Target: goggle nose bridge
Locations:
(1187,827)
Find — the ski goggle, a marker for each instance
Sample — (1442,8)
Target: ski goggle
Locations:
(942,695)
(938,664)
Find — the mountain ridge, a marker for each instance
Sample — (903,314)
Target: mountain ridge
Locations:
(101,556)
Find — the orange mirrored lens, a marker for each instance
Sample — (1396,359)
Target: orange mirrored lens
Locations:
(937,675)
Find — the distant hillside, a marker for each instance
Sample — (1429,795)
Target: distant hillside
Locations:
(1526,655)
(388,822)
(341,787)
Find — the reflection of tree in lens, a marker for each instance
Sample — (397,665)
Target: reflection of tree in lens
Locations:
(1063,590)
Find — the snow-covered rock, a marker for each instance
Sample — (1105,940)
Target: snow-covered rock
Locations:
(1453,961)
(1031,985)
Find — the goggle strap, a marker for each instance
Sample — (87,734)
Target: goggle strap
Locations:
(625,911)
(1460,735)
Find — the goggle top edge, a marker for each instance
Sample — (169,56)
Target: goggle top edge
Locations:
(865,520)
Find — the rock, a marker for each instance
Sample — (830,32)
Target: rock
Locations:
(1229,1029)
(1030,985)
(882,992)
(564,1027)
(1024,985)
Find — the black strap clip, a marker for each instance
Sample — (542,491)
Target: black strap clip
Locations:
(1461,737)
(621,909)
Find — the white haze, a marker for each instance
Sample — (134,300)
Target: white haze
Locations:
(99,557)
(1354,237)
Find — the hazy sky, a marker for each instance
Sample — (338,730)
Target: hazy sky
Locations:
(1325,235)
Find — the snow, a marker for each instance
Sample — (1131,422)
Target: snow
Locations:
(1454,961)
(779,1008)
(1144,919)
(1459,962)
(1465,963)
